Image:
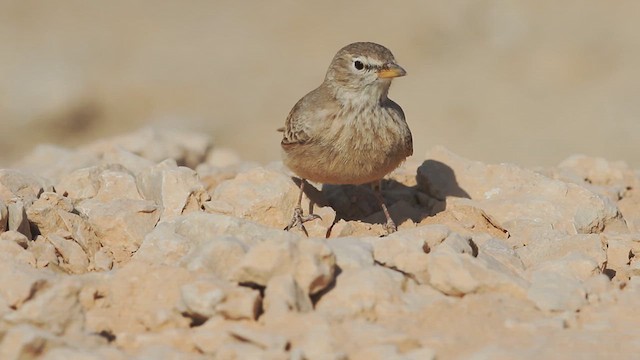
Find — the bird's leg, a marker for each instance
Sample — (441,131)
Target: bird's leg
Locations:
(298,220)
(390,226)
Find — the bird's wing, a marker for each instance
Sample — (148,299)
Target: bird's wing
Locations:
(295,130)
(306,116)
(408,139)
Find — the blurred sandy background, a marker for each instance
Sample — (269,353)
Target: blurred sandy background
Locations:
(528,82)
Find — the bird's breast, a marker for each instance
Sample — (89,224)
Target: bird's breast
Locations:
(356,146)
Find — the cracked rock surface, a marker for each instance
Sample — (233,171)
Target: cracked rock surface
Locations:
(159,245)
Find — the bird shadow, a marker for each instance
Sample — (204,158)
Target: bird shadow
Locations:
(434,182)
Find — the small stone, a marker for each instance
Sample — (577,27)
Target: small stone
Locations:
(16,185)
(44,252)
(283,294)
(103,260)
(120,224)
(75,260)
(22,341)
(363,293)
(552,291)
(205,298)
(18,219)
(176,189)
(17,252)
(15,237)
(310,261)
(351,252)
(4,217)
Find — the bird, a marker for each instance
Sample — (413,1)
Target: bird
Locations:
(347,131)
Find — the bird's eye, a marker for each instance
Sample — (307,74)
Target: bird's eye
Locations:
(358,65)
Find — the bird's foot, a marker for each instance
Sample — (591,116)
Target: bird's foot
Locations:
(298,220)
(390,227)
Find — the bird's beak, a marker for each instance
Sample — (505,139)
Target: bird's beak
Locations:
(391,70)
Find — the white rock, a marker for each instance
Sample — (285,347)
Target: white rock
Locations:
(351,252)
(155,144)
(54,307)
(86,183)
(175,189)
(552,291)
(283,294)
(15,237)
(44,252)
(17,252)
(18,220)
(261,339)
(52,162)
(207,297)
(545,249)
(103,260)
(362,292)
(117,184)
(135,298)
(621,249)
(21,185)
(454,271)
(4,217)
(19,281)
(515,197)
(20,342)
(130,161)
(220,256)
(576,264)
(310,261)
(268,197)
(120,224)
(75,260)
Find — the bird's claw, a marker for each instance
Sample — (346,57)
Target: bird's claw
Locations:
(298,220)
(390,227)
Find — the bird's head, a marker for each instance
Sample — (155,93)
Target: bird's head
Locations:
(363,68)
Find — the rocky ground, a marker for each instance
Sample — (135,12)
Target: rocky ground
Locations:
(157,245)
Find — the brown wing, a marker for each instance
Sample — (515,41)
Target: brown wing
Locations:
(306,116)
(294,129)
(408,139)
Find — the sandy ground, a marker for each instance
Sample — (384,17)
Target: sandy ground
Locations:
(529,82)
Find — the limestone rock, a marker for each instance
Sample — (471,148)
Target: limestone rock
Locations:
(283,294)
(52,162)
(74,259)
(351,252)
(269,197)
(25,341)
(134,163)
(4,217)
(155,144)
(15,184)
(53,306)
(310,261)
(364,292)
(546,249)
(176,190)
(516,197)
(137,297)
(207,297)
(17,252)
(120,224)
(15,237)
(454,270)
(18,220)
(552,291)
(113,181)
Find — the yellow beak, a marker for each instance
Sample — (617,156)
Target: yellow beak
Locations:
(391,70)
